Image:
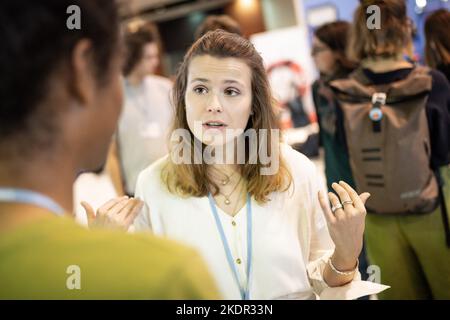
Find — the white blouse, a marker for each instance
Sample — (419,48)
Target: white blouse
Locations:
(291,243)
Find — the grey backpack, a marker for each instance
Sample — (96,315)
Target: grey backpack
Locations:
(388,141)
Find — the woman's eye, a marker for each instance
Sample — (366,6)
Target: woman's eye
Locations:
(200,90)
(232,92)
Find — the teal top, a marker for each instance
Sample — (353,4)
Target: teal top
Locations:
(332,136)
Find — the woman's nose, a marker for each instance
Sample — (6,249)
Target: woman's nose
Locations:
(215,109)
(214,104)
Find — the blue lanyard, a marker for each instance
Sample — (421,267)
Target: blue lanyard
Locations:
(30,197)
(245,293)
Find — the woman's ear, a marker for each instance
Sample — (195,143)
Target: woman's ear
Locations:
(83,74)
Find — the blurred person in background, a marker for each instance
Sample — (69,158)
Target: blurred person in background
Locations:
(437,46)
(214,22)
(437,55)
(143,131)
(397,130)
(328,51)
(60,107)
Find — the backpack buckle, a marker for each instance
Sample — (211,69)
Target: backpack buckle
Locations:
(379,98)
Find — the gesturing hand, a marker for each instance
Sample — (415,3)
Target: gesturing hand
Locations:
(346,223)
(117,213)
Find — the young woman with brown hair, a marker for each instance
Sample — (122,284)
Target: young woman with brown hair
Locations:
(259,224)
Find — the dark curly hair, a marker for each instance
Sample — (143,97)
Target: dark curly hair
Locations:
(335,36)
(36,43)
(390,40)
(437,47)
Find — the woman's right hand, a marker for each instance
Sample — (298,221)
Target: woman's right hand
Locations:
(117,213)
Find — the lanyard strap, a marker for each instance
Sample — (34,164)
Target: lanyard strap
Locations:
(30,197)
(245,292)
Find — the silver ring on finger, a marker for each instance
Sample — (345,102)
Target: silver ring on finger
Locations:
(336,207)
(347,202)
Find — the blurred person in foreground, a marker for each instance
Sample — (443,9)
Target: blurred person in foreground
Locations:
(59,109)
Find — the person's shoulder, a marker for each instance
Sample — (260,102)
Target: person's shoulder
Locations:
(170,269)
(439,79)
(294,157)
(77,234)
(125,265)
(440,90)
(153,172)
(298,164)
(303,173)
(140,248)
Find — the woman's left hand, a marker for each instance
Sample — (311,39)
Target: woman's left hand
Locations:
(346,224)
(117,213)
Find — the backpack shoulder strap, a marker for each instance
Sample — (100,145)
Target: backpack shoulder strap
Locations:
(359,75)
(355,88)
(358,87)
(418,82)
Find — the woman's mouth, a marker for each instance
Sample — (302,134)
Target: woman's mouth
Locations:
(214,125)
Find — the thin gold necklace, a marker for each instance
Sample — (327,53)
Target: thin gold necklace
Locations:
(227,178)
(227,197)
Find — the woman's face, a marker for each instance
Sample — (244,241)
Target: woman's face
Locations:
(218,98)
(323,57)
(150,59)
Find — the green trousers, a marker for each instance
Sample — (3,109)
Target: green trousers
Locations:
(411,252)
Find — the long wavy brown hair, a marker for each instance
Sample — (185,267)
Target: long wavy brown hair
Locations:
(390,40)
(437,47)
(193,179)
(335,36)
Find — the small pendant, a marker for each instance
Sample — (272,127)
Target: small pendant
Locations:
(227,202)
(224,182)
